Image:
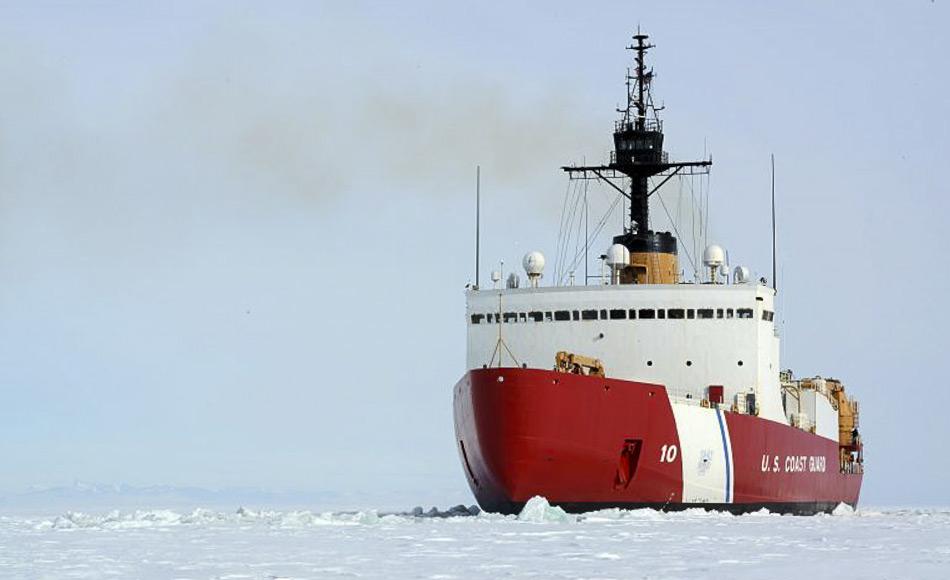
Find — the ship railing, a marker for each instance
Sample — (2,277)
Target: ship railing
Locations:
(648,125)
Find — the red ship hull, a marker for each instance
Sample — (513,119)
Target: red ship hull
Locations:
(588,443)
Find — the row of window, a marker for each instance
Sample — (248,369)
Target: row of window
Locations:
(618,314)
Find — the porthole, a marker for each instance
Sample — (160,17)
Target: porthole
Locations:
(740,363)
(649,363)
(689,363)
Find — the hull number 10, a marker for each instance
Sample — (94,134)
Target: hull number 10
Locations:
(668,454)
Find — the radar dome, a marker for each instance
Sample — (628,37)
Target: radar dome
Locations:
(533,266)
(533,263)
(714,256)
(618,256)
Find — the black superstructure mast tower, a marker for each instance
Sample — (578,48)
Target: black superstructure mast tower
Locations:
(638,155)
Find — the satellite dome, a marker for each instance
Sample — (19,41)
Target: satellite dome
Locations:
(618,256)
(533,263)
(714,256)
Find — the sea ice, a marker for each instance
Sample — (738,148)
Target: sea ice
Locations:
(539,510)
(541,542)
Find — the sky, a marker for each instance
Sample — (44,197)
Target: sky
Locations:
(234,237)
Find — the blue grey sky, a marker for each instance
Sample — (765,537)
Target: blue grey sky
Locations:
(234,236)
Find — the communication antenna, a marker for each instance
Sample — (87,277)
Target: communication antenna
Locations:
(586,237)
(774,278)
(478,207)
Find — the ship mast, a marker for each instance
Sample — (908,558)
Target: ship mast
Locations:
(638,155)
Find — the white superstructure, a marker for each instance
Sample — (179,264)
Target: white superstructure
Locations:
(710,343)
(686,337)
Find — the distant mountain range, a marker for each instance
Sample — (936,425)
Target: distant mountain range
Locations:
(88,496)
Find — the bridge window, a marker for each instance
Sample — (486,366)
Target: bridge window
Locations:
(576,315)
(675,313)
(536,316)
(647,313)
(477,318)
(618,314)
(729,313)
(561,315)
(720,313)
(633,314)
(660,313)
(705,313)
(522,317)
(548,316)
(511,317)
(744,313)
(768,315)
(603,315)
(588,315)
(690,313)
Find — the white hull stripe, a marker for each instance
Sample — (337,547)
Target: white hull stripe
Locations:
(704,453)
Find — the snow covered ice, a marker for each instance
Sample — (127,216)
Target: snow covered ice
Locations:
(542,542)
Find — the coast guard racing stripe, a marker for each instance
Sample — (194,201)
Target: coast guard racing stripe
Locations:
(706,451)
